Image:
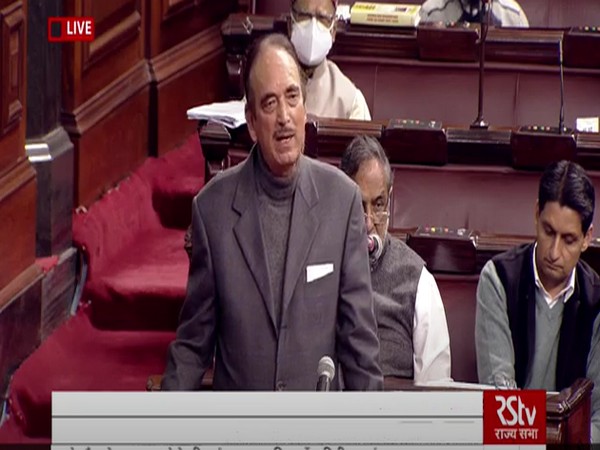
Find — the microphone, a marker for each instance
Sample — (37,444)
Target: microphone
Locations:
(485,14)
(326,372)
(561,116)
(375,245)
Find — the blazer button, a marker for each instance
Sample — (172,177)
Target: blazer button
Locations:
(280,386)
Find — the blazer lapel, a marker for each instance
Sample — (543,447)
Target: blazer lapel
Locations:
(249,236)
(303,228)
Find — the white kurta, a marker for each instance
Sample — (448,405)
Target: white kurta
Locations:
(330,93)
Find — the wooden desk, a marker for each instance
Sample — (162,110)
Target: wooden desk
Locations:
(480,179)
(431,73)
(567,413)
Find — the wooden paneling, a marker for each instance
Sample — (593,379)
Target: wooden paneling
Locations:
(171,8)
(17,227)
(108,14)
(110,134)
(20,306)
(112,39)
(17,177)
(117,47)
(105,99)
(172,22)
(189,74)
(12,83)
(13,66)
(187,63)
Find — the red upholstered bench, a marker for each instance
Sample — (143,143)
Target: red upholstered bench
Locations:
(133,242)
(79,357)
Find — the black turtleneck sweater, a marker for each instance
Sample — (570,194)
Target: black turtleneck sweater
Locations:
(275,198)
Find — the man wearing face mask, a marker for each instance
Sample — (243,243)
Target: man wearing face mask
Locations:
(505,13)
(412,329)
(329,93)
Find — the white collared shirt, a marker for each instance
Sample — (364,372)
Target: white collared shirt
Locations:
(431,340)
(563,295)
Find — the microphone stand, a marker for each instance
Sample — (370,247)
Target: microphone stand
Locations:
(561,118)
(484,14)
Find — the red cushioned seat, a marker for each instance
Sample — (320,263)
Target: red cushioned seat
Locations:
(79,357)
(133,240)
(144,287)
(12,433)
(137,268)
(176,182)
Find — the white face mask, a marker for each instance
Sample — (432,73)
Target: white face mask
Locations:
(312,41)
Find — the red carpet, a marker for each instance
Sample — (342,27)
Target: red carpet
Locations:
(79,357)
(133,242)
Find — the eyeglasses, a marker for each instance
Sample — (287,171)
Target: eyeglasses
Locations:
(377,217)
(323,19)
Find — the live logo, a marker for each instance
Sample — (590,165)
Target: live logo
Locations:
(71,29)
(514,417)
(79,27)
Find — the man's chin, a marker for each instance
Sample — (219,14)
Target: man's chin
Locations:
(287,161)
(554,276)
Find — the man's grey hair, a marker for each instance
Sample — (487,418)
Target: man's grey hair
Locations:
(362,149)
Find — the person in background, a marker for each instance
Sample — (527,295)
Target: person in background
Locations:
(412,328)
(537,324)
(329,93)
(505,13)
(279,274)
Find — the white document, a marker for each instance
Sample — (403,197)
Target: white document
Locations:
(316,271)
(588,124)
(230,114)
(455,384)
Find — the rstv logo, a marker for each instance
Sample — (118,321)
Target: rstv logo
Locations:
(514,417)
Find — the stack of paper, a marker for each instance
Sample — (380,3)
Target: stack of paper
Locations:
(455,384)
(230,114)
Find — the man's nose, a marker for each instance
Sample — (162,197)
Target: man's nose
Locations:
(283,113)
(369,223)
(555,249)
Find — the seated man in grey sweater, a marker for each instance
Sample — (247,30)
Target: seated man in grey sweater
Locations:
(537,322)
(411,320)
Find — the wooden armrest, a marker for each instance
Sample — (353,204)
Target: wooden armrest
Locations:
(567,400)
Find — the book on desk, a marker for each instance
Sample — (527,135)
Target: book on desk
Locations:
(385,14)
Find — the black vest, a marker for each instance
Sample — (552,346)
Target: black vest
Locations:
(515,270)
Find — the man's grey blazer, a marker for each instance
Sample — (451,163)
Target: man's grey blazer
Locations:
(229,311)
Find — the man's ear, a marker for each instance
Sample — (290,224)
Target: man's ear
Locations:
(536,215)
(587,238)
(250,123)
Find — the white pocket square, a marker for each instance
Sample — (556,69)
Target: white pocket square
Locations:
(317,271)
